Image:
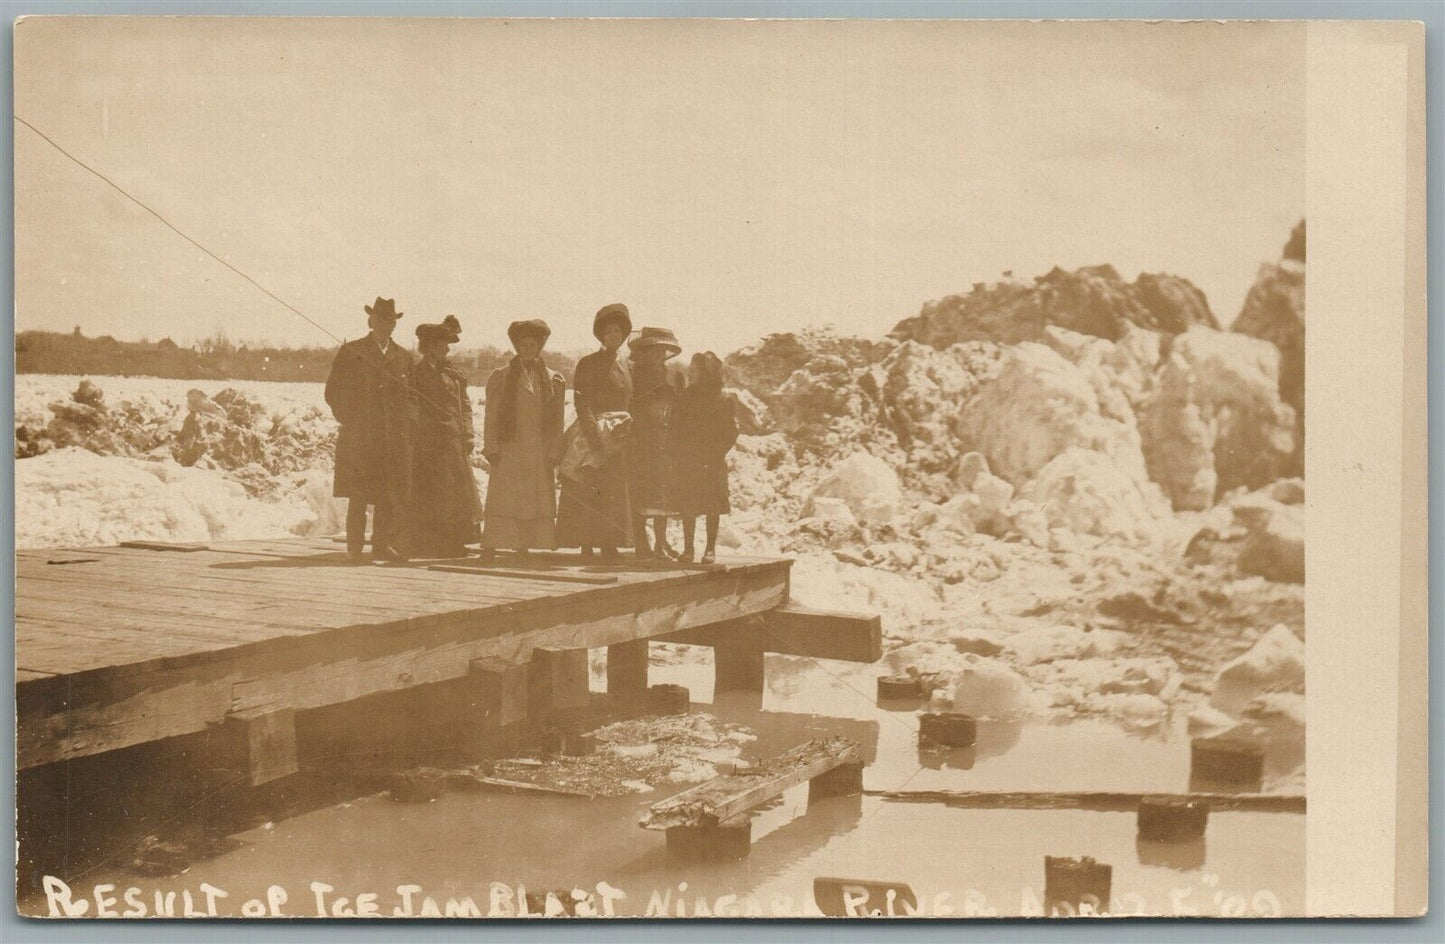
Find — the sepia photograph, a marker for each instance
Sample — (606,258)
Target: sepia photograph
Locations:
(484,468)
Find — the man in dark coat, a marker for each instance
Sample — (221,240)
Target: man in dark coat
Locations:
(369,392)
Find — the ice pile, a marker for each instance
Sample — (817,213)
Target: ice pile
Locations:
(73,497)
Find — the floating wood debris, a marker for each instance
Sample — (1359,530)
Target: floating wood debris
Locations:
(725,797)
(468,780)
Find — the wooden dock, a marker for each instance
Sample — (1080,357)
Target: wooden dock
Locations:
(120,646)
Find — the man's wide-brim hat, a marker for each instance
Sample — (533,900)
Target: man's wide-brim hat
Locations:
(656,337)
(616,313)
(450,331)
(534,328)
(386,307)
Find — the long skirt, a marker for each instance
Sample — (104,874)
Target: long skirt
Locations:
(596,513)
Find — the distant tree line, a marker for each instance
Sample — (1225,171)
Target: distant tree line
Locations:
(214,358)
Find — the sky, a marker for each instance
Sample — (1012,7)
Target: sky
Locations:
(724,179)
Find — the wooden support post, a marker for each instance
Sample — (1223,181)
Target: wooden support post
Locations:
(843,780)
(267,743)
(738,657)
(557,678)
(1076,886)
(503,695)
(627,667)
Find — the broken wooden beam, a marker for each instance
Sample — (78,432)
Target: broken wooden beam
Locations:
(1098,801)
(723,798)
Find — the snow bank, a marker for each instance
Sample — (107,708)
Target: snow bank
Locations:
(1047,643)
(73,497)
(818,579)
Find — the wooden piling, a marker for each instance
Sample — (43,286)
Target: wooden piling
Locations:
(627,667)
(738,657)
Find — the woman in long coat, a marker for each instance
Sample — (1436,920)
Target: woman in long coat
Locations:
(704,427)
(446,508)
(655,387)
(596,513)
(522,440)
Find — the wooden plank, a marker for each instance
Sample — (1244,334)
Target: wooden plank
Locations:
(29,675)
(817,634)
(524,574)
(267,620)
(824,634)
(164,546)
(723,798)
(327,587)
(1097,801)
(105,710)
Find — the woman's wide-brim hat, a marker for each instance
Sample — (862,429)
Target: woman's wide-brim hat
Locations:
(386,307)
(616,313)
(450,331)
(534,328)
(656,337)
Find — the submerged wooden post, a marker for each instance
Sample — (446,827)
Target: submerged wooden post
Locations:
(627,667)
(843,780)
(738,656)
(712,841)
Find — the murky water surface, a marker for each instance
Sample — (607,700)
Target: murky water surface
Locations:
(477,848)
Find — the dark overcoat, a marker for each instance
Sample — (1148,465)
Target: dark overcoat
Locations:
(446,508)
(704,428)
(655,388)
(370,395)
(598,513)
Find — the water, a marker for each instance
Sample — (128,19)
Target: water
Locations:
(969,861)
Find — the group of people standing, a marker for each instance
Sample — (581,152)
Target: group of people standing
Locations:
(649,443)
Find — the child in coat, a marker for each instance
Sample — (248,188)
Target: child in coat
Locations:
(703,428)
